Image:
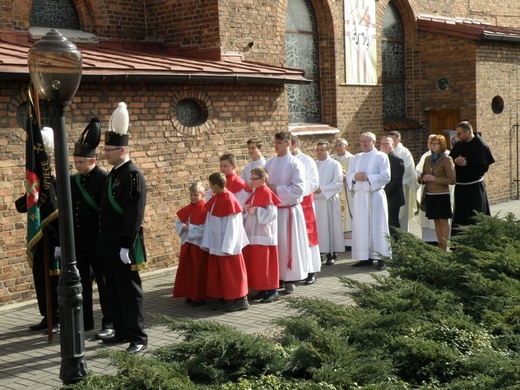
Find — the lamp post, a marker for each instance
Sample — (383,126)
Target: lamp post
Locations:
(55,68)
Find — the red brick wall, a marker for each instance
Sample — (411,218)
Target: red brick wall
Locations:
(169,159)
(186,22)
(497,73)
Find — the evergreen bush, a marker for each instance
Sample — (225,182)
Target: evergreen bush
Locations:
(437,320)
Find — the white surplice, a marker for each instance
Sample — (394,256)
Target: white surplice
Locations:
(287,174)
(328,207)
(226,236)
(370,213)
(312,182)
(409,186)
(346,195)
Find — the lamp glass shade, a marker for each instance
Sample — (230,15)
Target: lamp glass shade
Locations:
(55,67)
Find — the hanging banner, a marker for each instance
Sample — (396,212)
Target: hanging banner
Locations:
(360,42)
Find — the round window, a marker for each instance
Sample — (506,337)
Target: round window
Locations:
(497,104)
(191,112)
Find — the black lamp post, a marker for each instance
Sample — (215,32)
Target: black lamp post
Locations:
(55,68)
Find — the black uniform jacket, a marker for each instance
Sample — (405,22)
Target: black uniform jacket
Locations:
(118,230)
(394,189)
(86,217)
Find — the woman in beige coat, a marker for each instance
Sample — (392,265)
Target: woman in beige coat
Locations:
(438,173)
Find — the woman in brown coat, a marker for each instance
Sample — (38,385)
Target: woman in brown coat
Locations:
(438,173)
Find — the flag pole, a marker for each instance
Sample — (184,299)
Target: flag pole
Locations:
(33,95)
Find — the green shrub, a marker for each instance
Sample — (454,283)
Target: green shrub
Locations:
(438,320)
(213,353)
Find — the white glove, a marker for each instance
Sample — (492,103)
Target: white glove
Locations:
(57,252)
(125,258)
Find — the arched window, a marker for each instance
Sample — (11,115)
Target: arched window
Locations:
(54,13)
(301,46)
(392,47)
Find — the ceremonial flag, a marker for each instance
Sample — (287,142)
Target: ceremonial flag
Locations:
(40,195)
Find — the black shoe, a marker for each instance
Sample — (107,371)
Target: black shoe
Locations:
(56,328)
(289,288)
(134,349)
(261,295)
(363,263)
(238,304)
(311,279)
(381,265)
(114,340)
(40,326)
(105,334)
(330,261)
(197,303)
(271,297)
(221,304)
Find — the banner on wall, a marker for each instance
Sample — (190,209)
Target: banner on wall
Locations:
(360,42)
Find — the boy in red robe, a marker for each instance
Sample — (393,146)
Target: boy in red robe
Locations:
(234,183)
(191,277)
(224,237)
(261,255)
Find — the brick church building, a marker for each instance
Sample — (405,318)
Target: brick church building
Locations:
(201,77)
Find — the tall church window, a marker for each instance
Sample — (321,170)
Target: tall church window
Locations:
(392,46)
(301,46)
(54,13)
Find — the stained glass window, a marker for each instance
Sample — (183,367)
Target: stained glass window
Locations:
(45,116)
(54,13)
(301,46)
(392,46)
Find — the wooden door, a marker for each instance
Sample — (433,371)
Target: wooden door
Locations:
(444,122)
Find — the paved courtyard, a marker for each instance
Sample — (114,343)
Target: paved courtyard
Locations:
(29,361)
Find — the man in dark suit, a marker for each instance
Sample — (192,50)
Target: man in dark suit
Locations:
(120,239)
(394,189)
(86,189)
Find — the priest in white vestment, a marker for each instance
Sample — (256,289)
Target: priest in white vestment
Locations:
(310,185)
(286,180)
(255,150)
(409,181)
(368,173)
(343,156)
(327,203)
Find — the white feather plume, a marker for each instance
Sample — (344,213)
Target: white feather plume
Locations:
(119,120)
(48,139)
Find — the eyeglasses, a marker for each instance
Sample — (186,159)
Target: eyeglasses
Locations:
(110,149)
(435,143)
(458,134)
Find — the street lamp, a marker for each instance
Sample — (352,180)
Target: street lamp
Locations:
(55,68)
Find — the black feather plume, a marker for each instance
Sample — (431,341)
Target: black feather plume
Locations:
(91,136)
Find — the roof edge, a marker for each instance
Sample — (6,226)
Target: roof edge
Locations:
(472,29)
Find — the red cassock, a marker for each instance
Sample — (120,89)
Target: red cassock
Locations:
(310,219)
(227,275)
(191,277)
(262,260)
